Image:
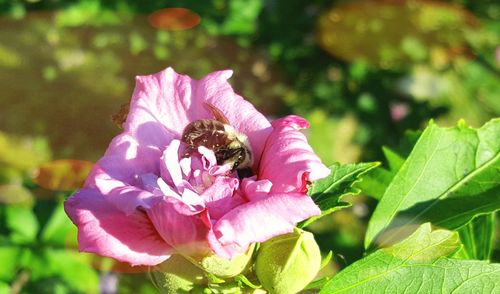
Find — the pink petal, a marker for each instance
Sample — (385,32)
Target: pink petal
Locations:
(207,157)
(185,164)
(164,103)
(107,231)
(259,221)
(193,200)
(179,226)
(288,160)
(219,197)
(255,190)
(120,170)
(166,189)
(123,196)
(126,159)
(170,167)
(150,183)
(220,170)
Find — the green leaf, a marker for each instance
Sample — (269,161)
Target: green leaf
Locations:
(340,181)
(457,164)
(478,235)
(72,267)
(328,192)
(335,205)
(452,213)
(317,284)
(9,256)
(394,160)
(4,288)
(22,223)
(419,264)
(375,183)
(58,230)
(326,259)
(244,281)
(76,270)
(242,17)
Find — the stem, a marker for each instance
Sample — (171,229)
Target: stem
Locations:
(19,283)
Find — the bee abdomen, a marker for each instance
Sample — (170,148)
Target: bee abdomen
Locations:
(205,132)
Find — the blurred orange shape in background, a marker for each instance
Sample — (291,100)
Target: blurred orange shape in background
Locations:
(62,175)
(174,19)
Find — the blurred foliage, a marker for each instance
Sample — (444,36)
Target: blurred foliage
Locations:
(35,234)
(38,244)
(394,64)
(362,75)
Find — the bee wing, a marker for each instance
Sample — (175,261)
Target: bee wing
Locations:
(217,113)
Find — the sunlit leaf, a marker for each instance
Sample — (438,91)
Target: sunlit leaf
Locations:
(450,177)
(419,264)
(327,193)
(65,174)
(451,213)
(388,33)
(174,19)
(340,181)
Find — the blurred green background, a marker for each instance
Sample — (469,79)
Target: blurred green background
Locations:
(362,72)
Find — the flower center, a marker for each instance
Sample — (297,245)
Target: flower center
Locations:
(228,145)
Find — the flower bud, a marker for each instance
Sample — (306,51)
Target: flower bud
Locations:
(287,263)
(224,268)
(177,275)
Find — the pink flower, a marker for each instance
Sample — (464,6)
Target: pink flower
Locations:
(145,200)
(399,111)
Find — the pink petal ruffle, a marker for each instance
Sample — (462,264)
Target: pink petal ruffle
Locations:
(259,221)
(288,161)
(107,231)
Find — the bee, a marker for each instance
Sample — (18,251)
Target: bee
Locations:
(228,145)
